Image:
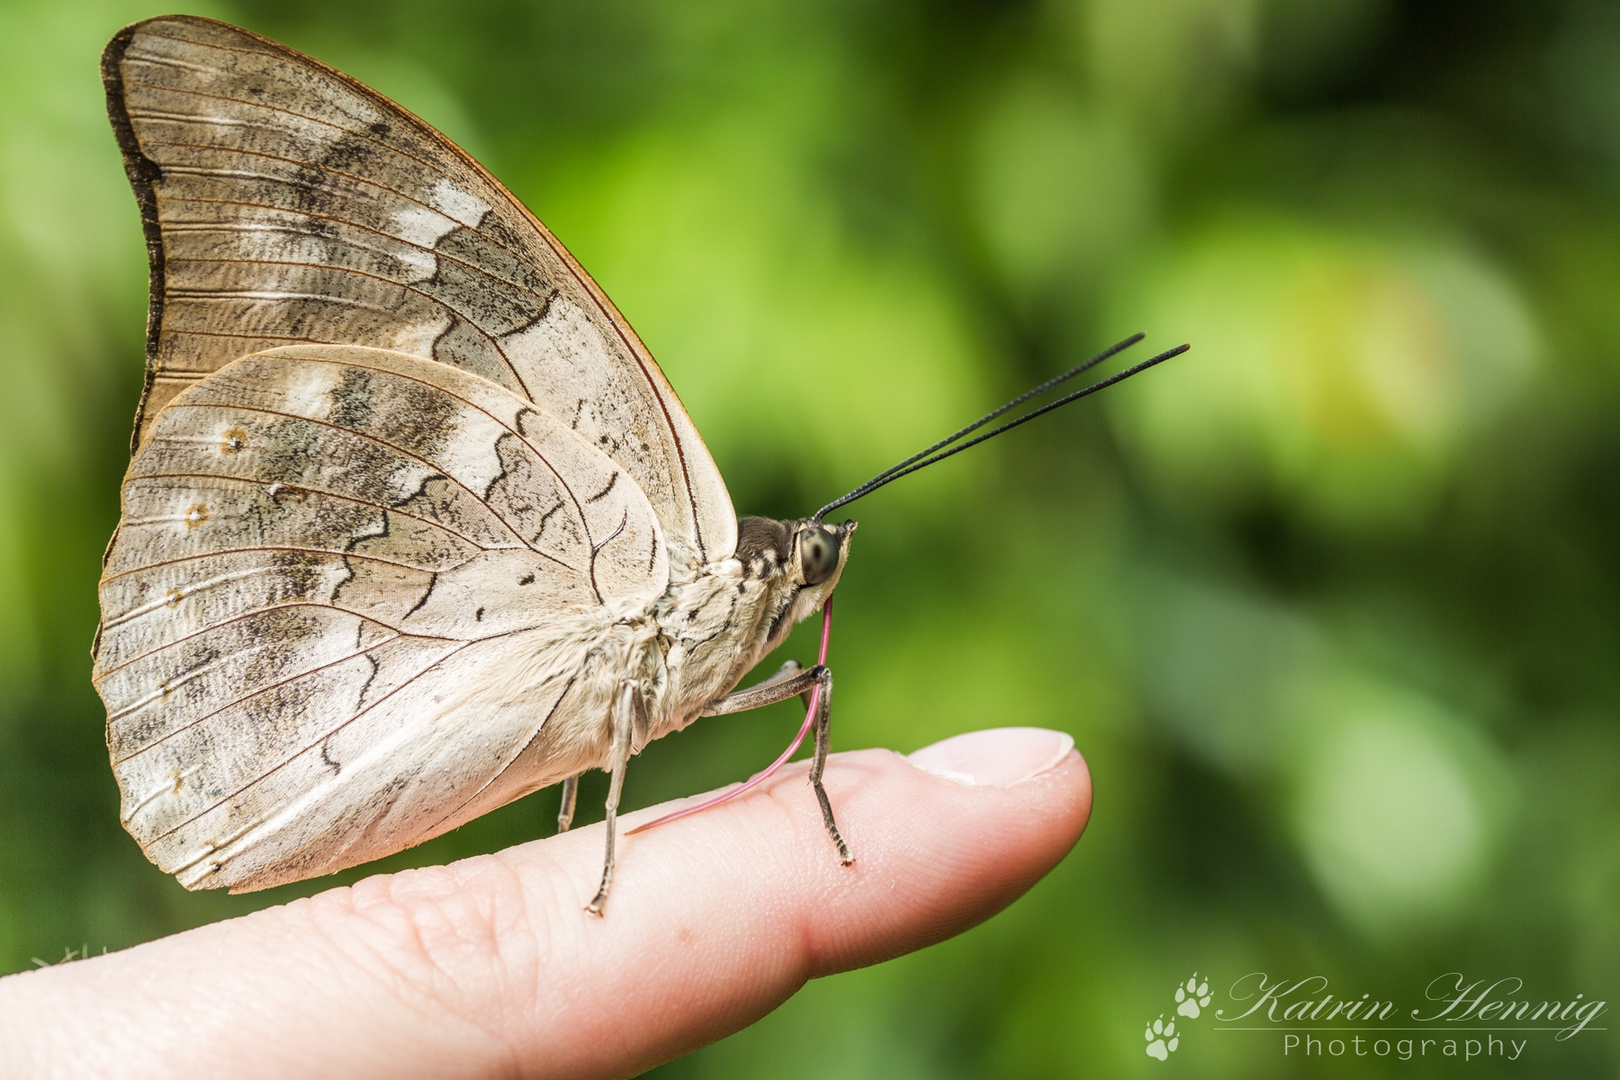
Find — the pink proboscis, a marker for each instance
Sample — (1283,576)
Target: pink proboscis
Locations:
(782,759)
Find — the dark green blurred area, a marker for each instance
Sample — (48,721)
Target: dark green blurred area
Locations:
(1331,604)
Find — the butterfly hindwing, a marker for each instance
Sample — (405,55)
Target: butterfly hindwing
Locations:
(286,203)
(331,562)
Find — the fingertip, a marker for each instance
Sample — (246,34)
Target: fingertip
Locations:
(951,834)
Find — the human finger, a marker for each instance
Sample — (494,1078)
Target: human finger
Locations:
(491,967)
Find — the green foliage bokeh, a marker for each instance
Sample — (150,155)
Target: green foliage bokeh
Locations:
(1331,604)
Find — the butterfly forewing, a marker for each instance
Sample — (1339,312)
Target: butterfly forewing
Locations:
(286,203)
(350,589)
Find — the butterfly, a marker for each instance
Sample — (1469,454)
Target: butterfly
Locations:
(413,523)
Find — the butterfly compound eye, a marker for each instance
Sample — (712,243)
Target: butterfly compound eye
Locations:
(818,554)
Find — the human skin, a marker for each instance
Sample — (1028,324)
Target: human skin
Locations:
(490,967)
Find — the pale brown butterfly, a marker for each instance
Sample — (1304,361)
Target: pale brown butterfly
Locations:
(413,524)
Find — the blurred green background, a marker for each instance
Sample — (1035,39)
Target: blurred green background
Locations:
(1331,604)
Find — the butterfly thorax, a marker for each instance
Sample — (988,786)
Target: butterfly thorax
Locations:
(717,623)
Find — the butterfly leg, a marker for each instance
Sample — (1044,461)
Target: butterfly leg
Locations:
(624,711)
(789,682)
(819,763)
(565,812)
(788,669)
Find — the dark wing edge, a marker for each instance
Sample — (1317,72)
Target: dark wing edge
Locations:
(143,173)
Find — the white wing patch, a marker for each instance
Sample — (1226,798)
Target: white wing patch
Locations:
(422,226)
(467,209)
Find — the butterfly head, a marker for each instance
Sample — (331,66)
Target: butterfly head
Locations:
(798,563)
(816,558)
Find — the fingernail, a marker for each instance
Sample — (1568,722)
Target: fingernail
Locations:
(1000,757)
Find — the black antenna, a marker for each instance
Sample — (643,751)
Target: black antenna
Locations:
(1014,403)
(922,458)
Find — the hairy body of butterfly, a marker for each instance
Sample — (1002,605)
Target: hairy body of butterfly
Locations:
(413,524)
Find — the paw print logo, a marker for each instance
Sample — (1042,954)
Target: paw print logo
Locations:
(1162,1039)
(1192,997)
(1162,1036)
